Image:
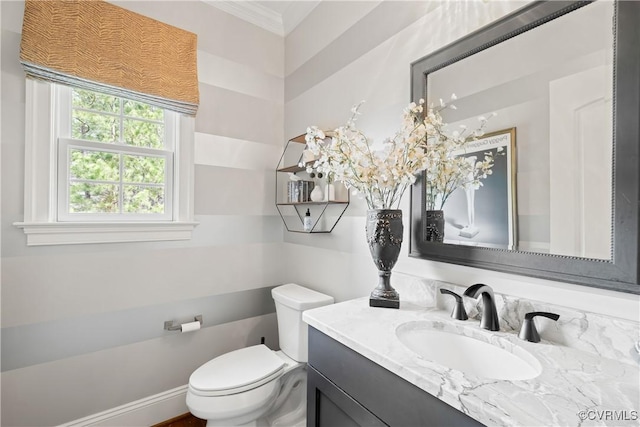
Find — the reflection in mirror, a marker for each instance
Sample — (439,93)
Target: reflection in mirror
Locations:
(550,190)
(565,132)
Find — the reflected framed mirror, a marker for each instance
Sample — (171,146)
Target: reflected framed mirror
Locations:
(561,202)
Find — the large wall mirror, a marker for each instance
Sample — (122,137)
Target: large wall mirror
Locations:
(561,203)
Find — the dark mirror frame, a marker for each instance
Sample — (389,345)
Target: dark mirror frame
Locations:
(621,273)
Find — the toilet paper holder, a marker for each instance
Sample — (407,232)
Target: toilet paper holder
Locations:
(170,326)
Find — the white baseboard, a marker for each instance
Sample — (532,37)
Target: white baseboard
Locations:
(141,413)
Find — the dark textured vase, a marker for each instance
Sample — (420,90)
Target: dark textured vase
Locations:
(435,226)
(384,236)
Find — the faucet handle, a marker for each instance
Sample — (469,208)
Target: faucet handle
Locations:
(528,332)
(458,313)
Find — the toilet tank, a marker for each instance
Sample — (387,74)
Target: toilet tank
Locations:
(291,300)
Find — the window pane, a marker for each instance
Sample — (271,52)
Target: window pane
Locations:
(93,198)
(94,165)
(139,199)
(143,111)
(144,169)
(95,101)
(95,127)
(143,134)
(115,180)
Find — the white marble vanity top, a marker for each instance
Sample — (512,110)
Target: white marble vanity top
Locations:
(575,388)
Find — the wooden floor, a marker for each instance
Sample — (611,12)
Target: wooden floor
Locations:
(185,420)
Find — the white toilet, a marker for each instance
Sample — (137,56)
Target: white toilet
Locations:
(256,386)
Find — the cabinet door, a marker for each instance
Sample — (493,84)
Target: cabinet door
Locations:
(328,406)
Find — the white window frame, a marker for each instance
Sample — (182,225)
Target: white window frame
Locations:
(43,130)
(63,101)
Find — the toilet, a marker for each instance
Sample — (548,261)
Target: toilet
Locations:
(256,386)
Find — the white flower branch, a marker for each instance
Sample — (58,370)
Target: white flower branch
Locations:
(382,174)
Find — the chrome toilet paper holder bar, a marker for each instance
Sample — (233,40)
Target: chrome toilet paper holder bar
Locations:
(170,326)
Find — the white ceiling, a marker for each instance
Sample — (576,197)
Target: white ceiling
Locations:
(277,16)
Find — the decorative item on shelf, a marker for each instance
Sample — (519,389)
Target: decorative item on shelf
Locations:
(295,182)
(307,224)
(435,226)
(299,191)
(381,173)
(293,188)
(317,194)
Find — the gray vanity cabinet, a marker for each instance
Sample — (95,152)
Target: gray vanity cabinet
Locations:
(345,389)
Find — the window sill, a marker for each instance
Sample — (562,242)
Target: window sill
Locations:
(78,233)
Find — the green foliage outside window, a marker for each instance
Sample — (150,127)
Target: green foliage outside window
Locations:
(106,181)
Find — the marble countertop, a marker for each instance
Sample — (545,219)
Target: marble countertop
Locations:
(575,388)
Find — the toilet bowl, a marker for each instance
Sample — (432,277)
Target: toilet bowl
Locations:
(256,386)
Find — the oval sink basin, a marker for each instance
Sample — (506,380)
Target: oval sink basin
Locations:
(452,349)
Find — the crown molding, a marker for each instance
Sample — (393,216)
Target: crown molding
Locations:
(252,12)
(295,13)
(264,17)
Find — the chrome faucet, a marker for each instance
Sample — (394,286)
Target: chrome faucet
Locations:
(489,318)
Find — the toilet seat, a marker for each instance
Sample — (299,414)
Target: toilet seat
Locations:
(236,372)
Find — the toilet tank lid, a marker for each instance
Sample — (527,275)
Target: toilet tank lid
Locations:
(299,298)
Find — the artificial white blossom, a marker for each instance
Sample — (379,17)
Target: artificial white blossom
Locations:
(382,173)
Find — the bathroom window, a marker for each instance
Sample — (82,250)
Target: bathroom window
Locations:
(115,158)
(101,168)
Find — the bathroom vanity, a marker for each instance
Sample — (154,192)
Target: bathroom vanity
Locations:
(347,389)
(364,370)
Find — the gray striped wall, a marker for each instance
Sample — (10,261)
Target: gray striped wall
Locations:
(82,326)
(24,345)
(345,52)
(369,59)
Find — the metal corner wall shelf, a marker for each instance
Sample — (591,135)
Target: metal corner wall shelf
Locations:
(294,186)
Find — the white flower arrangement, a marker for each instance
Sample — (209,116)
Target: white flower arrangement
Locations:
(382,173)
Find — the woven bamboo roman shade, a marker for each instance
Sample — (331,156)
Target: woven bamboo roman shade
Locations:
(102,47)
